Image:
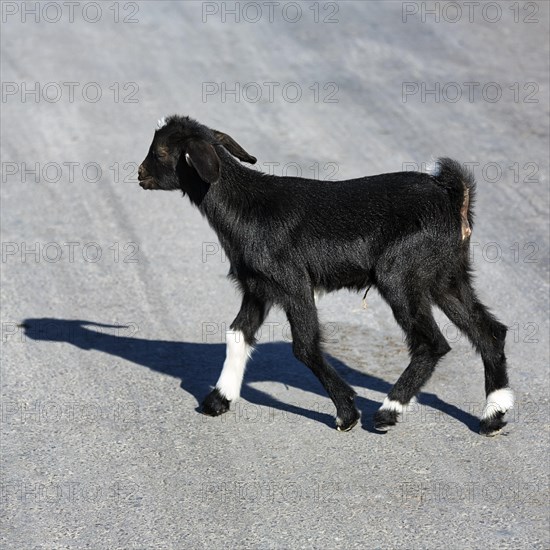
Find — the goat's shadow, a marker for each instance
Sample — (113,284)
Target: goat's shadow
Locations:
(197,365)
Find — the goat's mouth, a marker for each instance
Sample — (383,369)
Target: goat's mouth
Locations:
(148,183)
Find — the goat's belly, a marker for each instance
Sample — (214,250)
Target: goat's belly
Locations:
(338,281)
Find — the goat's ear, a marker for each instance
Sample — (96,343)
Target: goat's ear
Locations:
(202,156)
(234,148)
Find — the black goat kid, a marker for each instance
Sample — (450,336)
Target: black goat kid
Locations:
(405,233)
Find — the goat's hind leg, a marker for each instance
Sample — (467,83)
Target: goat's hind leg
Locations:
(426,346)
(487,335)
(239,339)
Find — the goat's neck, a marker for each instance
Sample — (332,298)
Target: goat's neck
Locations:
(232,193)
(229,203)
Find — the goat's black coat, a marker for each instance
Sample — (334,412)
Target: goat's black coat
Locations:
(406,233)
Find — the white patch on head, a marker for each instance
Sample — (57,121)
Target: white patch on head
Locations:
(161,123)
(433,168)
(391,405)
(498,401)
(237,354)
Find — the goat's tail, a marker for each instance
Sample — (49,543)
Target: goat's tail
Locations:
(459,182)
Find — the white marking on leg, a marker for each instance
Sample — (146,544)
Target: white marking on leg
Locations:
(237,354)
(391,405)
(498,401)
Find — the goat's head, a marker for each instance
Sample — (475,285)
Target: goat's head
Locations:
(184,152)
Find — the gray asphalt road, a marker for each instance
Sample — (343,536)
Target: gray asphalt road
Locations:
(125,302)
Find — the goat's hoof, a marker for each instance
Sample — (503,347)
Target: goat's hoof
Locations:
(214,403)
(384,419)
(347,421)
(492,426)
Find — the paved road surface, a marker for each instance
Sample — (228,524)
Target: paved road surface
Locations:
(125,302)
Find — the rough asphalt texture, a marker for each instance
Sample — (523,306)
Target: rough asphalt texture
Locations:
(102,444)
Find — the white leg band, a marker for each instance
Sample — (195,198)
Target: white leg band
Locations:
(498,401)
(237,354)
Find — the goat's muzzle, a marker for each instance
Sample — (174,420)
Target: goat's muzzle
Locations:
(148,183)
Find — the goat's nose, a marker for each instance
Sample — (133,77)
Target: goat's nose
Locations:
(140,171)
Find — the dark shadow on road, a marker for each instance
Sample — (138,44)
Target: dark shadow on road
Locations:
(198,365)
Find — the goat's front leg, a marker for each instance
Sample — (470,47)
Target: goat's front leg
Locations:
(239,339)
(306,345)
